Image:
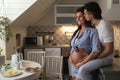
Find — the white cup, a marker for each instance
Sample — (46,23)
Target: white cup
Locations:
(22,64)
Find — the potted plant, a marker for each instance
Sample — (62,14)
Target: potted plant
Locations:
(5,32)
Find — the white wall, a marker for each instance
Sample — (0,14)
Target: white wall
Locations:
(110,11)
(12,42)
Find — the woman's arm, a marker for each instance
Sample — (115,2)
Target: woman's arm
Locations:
(107,50)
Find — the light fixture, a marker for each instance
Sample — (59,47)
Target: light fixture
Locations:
(69,28)
(68,33)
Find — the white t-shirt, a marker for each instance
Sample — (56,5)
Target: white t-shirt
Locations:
(105,31)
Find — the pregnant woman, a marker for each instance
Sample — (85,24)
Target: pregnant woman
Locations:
(85,44)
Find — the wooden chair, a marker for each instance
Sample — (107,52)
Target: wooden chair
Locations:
(53,66)
(36,56)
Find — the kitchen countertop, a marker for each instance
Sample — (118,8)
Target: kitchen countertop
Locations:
(45,46)
(111,72)
(114,67)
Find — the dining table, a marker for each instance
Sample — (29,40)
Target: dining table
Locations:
(24,75)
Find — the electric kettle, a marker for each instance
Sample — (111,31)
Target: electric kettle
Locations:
(14,60)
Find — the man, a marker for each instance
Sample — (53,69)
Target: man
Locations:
(92,13)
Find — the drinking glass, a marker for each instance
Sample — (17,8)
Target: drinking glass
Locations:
(20,57)
(21,60)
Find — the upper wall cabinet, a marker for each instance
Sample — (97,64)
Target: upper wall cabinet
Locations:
(65,14)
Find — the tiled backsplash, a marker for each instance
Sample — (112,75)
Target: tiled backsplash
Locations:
(60,37)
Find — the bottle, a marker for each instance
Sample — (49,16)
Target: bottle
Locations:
(21,60)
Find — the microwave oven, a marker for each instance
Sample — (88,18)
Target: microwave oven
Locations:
(38,40)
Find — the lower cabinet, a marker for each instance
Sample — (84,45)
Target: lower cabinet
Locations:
(53,51)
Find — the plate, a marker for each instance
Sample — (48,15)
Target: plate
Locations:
(11,73)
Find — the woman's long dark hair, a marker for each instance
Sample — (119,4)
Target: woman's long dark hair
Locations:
(87,23)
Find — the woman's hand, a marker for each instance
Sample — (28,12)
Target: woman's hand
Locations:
(87,58)
(81,62)
(83,58)
(78,65)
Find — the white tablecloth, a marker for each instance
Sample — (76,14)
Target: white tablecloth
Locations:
(25,75)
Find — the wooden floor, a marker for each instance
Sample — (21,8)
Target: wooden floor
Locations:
(64,78)
(52,79)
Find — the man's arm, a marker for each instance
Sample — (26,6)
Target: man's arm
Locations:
(107,50)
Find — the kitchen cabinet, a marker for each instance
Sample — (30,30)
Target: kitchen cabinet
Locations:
(65,14)
(65,51)
(53,51)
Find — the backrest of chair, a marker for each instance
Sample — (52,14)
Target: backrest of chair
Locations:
(35,56)
(53,64)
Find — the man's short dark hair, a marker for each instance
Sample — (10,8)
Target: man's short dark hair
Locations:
(94,8)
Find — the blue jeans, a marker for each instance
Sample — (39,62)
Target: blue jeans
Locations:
(83,73)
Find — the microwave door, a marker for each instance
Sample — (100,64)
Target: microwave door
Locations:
(31,41)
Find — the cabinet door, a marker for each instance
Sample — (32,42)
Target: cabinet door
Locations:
(65,51)
(53,51)
(66,8)
(65,14)
(65,20)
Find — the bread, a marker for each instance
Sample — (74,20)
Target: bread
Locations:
(30,69)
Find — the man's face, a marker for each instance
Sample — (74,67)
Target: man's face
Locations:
(88,15)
